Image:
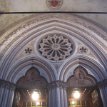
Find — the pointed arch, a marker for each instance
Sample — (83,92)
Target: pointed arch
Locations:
(35,26)
(94,68)
(20,68)
(81,78)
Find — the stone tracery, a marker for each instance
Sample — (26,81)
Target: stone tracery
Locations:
(56,47)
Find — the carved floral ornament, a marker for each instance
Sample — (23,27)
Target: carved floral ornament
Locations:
(54,4)
(56,47)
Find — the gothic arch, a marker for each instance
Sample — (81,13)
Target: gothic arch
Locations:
(83,83)
(68,24)
(19,70)
(95,68)
(23,65)
(81,78)
(39,25)
(26,85)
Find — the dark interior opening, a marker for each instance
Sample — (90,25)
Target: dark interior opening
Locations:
(31,83)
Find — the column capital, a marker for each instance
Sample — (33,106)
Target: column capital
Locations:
(7,84)
(57,84)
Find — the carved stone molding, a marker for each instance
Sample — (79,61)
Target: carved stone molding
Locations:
(54,4)
(43,17)
(7,84)
(34,23)
(39,18)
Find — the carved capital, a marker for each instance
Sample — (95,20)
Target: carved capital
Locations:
(55,84)
(7,84)
(102,83)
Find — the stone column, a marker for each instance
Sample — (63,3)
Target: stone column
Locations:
(6,90)
(103,93)
(57,94)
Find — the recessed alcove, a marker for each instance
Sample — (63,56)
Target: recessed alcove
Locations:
(31,83)
(82,90)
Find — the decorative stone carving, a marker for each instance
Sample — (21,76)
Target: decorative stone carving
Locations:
(56,47)
(54,4)
(32,80)
(14,35)
(7,84)
(83,49)
(28,50)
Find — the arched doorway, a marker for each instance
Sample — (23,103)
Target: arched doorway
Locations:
(82,90)
(31,90)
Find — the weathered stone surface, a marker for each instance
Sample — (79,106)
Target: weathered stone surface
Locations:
(41,5)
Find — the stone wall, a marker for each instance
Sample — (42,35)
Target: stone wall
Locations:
(41,5)
(7,20)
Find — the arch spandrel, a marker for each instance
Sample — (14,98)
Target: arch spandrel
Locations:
(39,19)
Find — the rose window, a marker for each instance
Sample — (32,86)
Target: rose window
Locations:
(56,47)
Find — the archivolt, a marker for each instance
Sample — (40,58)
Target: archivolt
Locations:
(96,69)
(23,66)
(36,25)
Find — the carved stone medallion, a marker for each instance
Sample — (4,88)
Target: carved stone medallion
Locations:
(56,47)
(54,4)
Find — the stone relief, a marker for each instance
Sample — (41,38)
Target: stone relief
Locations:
(83,49)
(56,47)
(11,37)
(54,4)
(28,50)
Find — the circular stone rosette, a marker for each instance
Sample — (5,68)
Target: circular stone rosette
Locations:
(54,4)
(56,47)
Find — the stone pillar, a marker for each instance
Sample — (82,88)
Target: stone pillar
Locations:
(1,95)
(103,93)
(6,96)
(57,94)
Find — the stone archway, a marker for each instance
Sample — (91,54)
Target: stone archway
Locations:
(84,85)
(22,47)
(81,78)
(26,85)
